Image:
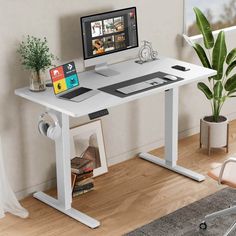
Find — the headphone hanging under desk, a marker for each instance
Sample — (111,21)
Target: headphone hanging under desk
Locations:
(49,126)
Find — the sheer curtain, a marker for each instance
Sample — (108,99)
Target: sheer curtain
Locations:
(8,200)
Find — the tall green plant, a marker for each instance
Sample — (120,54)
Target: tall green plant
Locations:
(214,55)
(35,54)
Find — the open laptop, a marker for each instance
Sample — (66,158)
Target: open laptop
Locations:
(66,83)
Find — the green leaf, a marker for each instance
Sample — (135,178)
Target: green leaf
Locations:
(231,56)
(230,68)
(223,99)
(212,77)
(205,28)
(231,92)
(218,55)
(218,88)
(204,88)
(202,55)
(35,54)
(188,40)
(230,84)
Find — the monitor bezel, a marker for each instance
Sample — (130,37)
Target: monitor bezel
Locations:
(108,53)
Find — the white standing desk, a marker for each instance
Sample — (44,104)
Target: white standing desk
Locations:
(63,109)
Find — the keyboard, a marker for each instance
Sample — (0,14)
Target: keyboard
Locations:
(75,93)
(141,86)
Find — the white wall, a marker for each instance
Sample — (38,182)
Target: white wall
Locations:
(29,158)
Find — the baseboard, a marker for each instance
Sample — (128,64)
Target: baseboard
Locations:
(39,187)
(117,159)
(157,144)
(232,116)
(132,153)
(189,132)
(148,147)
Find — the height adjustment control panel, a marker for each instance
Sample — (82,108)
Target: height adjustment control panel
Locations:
(98,114)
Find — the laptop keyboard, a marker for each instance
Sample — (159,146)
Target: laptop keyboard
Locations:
(75,93)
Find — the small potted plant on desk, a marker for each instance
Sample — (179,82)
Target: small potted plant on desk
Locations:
(214,128)
(35,56)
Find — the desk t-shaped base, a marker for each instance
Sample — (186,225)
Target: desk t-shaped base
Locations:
(171,139)
(64,191)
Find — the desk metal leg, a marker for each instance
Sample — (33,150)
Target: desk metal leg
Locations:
(64,195)
(171,139)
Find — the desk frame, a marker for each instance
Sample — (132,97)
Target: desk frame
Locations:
(171,139)
(64,190)
(64,194)
(63,109)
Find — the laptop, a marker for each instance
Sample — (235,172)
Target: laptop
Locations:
(66,83)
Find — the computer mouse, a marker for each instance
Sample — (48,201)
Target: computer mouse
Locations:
(170,77)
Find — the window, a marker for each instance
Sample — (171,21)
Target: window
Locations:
(220,13)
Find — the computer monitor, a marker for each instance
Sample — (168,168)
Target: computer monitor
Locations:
(106,35)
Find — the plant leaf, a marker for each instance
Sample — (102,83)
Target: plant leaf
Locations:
(230,68)
(223,99)
(230,84)
(231,56)
(188,40)
(35,53)
(202,55)
(218,88)
(218,55)
(205,28)
(204,88)
(231,92)
(212,77)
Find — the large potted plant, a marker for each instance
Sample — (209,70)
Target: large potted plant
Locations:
(35,56)
(214,55)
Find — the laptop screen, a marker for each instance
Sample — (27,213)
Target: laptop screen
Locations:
(64,77)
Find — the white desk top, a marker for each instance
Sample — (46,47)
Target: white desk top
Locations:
(128,70)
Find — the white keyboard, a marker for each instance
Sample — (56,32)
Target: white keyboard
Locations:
(141,86)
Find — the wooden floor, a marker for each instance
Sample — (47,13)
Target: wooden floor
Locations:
(132,194)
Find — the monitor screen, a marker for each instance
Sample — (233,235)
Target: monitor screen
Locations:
(64,77)
(109,32)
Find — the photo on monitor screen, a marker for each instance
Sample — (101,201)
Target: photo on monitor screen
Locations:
(96,28)
(120,41)
(108,26)
(109,43)
(98,46)
(119,24)
(109,32)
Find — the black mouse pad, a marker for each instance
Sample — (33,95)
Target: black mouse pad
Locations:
(111,89)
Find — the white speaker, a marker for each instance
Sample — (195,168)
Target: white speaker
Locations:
(49,126)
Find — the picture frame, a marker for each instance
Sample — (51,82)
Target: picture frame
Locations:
(214,11)
(89,138)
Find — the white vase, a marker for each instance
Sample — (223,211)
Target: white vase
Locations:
(214,134)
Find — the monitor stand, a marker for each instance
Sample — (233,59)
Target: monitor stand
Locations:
(103,69)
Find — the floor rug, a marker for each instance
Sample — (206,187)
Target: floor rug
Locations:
(185,221)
